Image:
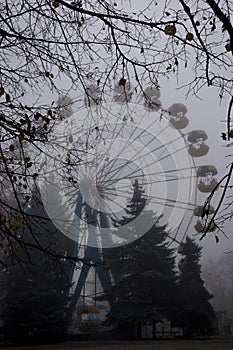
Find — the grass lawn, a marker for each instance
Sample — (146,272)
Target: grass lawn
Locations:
(130,345)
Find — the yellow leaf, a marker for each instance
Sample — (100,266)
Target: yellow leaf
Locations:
(15,227)
(21,137)
(17,250)
(189,36)
(170,29)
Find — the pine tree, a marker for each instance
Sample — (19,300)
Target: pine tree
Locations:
(34,305)
(147,290)
(196,316)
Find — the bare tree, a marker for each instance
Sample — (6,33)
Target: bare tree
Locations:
(54,47)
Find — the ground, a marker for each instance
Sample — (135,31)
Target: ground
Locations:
(134,345)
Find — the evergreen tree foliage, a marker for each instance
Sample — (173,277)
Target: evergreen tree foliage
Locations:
(196,315)
(147,290)
(34,286)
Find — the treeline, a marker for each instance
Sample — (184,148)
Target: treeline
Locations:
(152,288)
(34,289)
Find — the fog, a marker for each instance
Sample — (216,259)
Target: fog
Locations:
(207,112)
(86,129)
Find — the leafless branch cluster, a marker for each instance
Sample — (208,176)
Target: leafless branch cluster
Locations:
(54,47)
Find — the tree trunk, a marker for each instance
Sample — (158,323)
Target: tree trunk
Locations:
(139,330)
(154,330)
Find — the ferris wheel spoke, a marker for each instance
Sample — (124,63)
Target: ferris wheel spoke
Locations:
(157,173)
(131,141)
(173,204)
(176,179)
(174,238)
(110,144)
(132,176)
(116,170)
(158,200)
(144,175)
(154,198)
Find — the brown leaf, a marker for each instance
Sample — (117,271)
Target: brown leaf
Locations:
(228,47)
(189,36)
(55,4)
(170,29)
(2,219)
(224,136)
(2,91)
(122,82)
(8,98)
(12,148)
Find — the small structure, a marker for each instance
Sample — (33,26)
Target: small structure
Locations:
(122,91)
(92,95)
(202,221)
(64,104)
(206,181)
(197,147)
(152,102)
(177,112)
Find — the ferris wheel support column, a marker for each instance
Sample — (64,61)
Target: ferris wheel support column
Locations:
(104,223)
(78,212)
(92,257)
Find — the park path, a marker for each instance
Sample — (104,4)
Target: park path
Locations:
(136,345)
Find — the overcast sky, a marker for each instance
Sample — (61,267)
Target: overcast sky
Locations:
(205,113)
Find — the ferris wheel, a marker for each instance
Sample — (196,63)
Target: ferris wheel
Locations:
(96,155)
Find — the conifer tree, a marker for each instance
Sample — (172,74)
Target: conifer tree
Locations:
(34,286)
(196,315)
(147,290)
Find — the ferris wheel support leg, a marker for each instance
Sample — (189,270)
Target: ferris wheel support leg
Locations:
(106,241)
(79,287)
(78,211)
(91,258)
(72,269)
(104,277)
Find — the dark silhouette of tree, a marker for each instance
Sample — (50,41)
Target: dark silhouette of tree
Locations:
(35,286)
(147,289)
(34,305)
(196,316)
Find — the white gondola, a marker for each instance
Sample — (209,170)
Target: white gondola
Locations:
(151,95)
(64,104)
(92,95)
(197,147)
(122,91)
(177,112)
(206,181)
